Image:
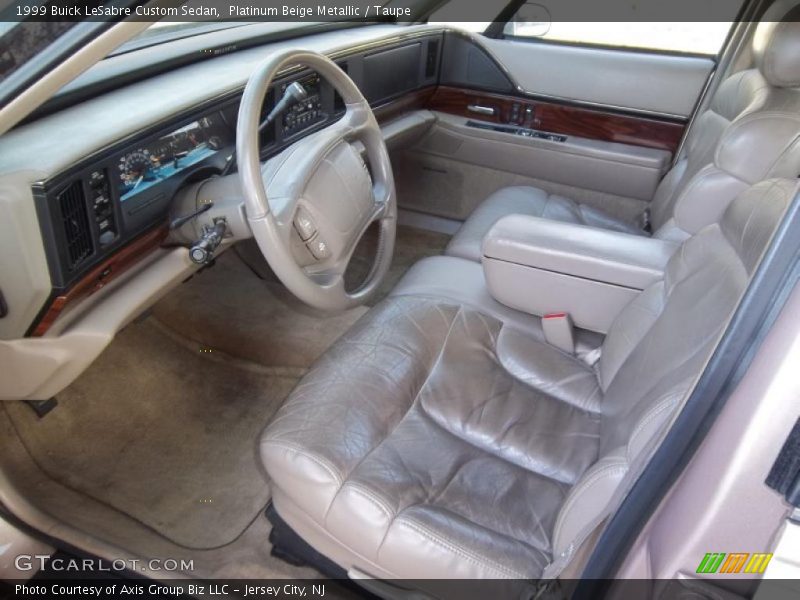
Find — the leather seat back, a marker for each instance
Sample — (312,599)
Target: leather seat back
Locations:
(740,94)
(659,345)
(750,132)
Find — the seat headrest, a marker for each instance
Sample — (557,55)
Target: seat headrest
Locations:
(776,44)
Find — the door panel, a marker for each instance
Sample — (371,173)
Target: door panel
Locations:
(457,165)
(633,81)
(618,169)
(447,187)
(621,115)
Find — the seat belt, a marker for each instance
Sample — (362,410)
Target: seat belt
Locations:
(559,331)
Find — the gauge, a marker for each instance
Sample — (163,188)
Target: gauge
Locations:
(136,167)
(161,152)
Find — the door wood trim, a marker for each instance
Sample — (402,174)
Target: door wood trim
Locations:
(559,118)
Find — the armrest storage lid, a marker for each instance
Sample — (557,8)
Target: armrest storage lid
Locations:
(590,253)
(540,266)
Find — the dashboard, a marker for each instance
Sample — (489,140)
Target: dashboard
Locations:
(92,210)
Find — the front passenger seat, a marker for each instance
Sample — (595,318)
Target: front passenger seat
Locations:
(750,132)
(436,441)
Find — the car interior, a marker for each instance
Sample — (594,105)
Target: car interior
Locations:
(383,302)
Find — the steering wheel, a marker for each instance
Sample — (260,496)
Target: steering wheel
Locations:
(322,196)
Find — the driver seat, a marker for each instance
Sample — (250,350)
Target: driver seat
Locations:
(445,439)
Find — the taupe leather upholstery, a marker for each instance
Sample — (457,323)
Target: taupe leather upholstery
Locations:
(441,438)
(750,132)
(775,53)
(535,202)
(579,251)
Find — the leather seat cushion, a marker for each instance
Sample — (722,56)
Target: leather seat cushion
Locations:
(532,201)
(432,439)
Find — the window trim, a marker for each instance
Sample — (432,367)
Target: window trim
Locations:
(50,57)
(631,49)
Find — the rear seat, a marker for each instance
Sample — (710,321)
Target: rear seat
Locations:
(750,132)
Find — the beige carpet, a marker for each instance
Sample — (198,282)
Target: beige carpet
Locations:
(411,245)
(164,425)
(163,433)
(229,309)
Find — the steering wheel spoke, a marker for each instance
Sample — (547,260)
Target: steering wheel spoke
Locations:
(383,203)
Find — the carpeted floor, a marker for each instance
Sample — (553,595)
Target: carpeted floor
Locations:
(412,244)
(163,433)
(229,309)
(163,427)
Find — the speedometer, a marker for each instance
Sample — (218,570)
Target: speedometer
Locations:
(135,166)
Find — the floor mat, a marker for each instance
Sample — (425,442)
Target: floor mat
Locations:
(164,433)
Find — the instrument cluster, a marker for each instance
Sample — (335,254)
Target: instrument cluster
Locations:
(170,155)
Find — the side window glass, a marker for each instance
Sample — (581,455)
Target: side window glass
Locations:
(540,21)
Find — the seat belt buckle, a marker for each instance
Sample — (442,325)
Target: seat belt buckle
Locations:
(558,331)
(644,221)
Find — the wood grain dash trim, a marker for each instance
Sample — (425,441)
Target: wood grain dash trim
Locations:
(101,275)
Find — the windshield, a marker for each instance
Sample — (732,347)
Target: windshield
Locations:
(284,17)
(19,42)
(31,43)
(167,31)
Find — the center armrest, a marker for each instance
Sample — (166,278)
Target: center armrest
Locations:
(542,266)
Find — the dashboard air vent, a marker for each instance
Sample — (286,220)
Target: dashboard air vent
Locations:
(75,220)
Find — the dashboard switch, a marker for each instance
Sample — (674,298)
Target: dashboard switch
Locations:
(319,249)
(304,224)
(107,237)
(100,194)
